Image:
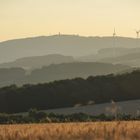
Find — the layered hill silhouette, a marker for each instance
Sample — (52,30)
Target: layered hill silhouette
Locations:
(125,56)
(70,45)
(68,93)
(38,61)
(73,70)
(57,72)
(132,59)
(10,76)
(11,73)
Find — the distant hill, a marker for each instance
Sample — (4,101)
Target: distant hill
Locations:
(38,61)
(73,70)
(70,45)
(125,56)
(117,51)
(109,53)
(131,59)
(57,72)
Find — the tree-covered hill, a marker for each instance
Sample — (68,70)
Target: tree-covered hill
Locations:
(68,93)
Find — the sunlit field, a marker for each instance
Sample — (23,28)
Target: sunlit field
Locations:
(72,131)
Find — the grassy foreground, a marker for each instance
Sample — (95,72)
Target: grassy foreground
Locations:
(72,131)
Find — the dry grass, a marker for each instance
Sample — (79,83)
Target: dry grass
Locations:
(72,131)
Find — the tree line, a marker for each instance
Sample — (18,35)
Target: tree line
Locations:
(34,116)
(68,93)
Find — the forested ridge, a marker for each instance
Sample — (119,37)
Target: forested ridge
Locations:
(68,93)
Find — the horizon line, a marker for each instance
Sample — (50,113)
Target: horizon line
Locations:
(59,34)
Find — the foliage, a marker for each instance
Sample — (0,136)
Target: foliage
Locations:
(34,116)
(68,93)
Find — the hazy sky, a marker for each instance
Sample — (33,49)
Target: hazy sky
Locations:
(24,18)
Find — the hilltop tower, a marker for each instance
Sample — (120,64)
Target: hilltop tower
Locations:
(114,42)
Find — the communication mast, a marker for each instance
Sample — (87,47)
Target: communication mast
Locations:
(114,42)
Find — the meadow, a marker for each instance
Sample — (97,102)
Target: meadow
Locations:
(116,130)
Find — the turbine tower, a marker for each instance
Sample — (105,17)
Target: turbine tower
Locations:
(137,33)
(114,33)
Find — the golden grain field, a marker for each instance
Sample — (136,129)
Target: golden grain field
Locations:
(72,131)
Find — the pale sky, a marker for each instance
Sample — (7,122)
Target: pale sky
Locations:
(26,18)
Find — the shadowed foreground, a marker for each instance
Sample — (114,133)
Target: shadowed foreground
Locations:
(72,131)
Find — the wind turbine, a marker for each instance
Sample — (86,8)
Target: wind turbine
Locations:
(137,33)
(114,33)
(59,34)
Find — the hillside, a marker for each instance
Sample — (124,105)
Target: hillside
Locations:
(70,45)
(54,72)
(73,70)
(131,59)
(124,56)
(10,76)
(110,53)
(69,93)
(125,107)
(38,61)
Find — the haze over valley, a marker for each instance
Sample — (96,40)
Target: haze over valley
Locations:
(46,59)
(68,45)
